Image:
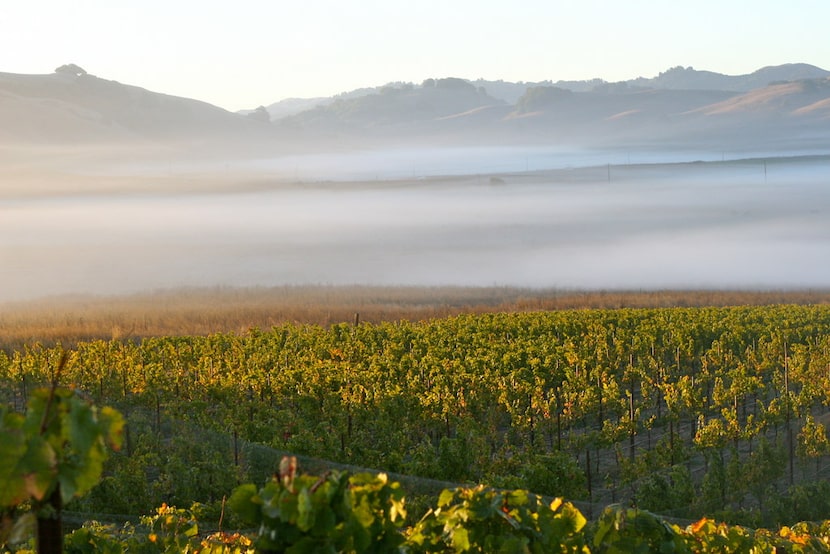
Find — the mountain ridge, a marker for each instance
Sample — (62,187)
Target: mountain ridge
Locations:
(676,78)
(678,106)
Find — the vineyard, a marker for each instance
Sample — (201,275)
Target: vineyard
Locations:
(686,412)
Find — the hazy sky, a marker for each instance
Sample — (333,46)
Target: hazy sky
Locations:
(249,52)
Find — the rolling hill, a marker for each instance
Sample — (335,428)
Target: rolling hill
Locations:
(776,105)
(72,105)
(679,78)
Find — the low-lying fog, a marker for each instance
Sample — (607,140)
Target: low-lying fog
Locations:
(744,224)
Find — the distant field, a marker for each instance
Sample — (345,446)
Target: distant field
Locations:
(200,311)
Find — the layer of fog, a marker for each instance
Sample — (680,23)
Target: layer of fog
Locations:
(745,224)
(414,162)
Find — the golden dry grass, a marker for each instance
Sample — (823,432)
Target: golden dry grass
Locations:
(209,310)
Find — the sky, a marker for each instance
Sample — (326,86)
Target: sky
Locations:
(247,53)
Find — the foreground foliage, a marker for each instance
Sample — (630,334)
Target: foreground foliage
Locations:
(333,513)
(362,513)
(50,455)
(56,451)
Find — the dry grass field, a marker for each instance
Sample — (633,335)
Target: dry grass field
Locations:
(200,311)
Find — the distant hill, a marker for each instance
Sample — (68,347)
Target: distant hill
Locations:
(293,106)
(72,105)
(434,99)
(679,78)
(606,115)
(779,99)
(676,78)
(773,105)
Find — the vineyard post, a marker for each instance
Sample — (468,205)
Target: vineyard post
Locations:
(671,441)
(736,438)
(787,411)
(250,404)
(50,527)
(631,429)
(127,441)
(23,390)
(531,419)
(632,426)
(558,419)
(590,485)
(158,415)
(235,447)
(692,417)
(659,394)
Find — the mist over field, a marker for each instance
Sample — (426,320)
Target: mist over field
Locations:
(753,223)
(688,180)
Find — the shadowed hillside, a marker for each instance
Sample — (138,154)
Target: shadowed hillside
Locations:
(72,105)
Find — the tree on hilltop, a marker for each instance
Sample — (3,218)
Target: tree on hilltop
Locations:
(260,114)
(71,69)
(541,97)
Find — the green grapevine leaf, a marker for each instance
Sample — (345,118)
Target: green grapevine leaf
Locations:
(58,442)
(513,545)
(81,472)
(363,512)
(12,448)
(287,505)
(270,497)
(460,539)
(245,503)
(37,468)
(445,497)
(518,497)
(27,467)
(112,426)
(305,511)
(82,429)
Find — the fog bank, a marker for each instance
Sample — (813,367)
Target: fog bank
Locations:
(740,224)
